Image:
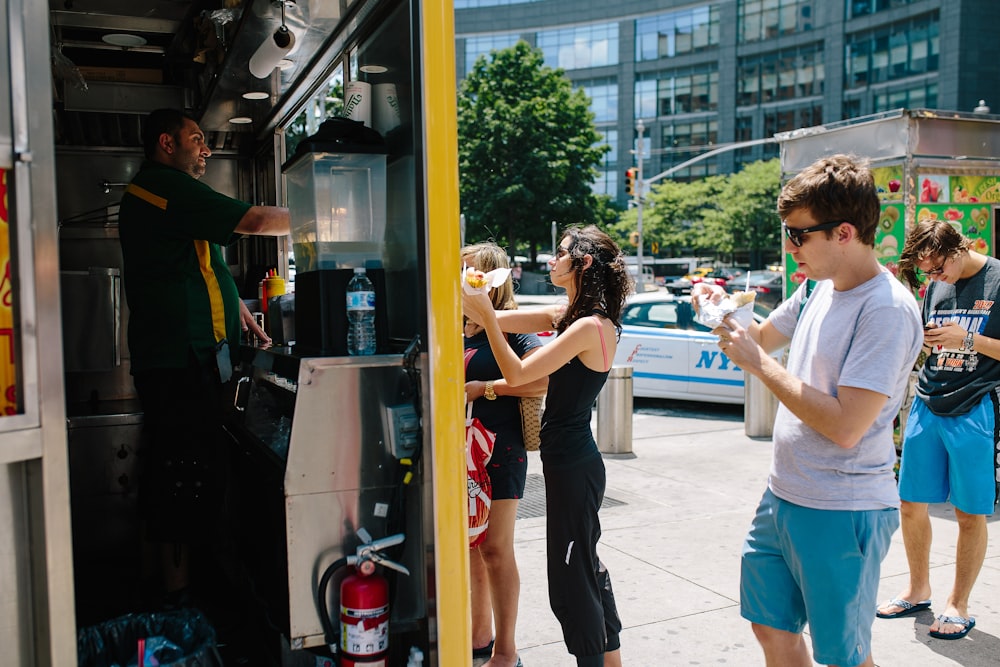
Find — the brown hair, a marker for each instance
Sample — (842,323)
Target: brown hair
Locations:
(839,187)
(604,285)
(486,257)
(930,238)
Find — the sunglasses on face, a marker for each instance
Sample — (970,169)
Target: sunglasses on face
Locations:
(795,235)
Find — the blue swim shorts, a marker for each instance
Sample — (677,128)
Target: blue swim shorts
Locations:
(821,567)
(951,458)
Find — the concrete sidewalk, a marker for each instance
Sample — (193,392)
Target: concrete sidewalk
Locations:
(673,522)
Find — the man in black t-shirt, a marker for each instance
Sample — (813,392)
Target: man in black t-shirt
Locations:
(950,449)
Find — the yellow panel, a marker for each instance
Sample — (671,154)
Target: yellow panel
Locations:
(447,383)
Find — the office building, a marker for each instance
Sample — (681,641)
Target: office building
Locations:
(702,74)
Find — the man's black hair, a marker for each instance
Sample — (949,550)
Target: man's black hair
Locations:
(158,122)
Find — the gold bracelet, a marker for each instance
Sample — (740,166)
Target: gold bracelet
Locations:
(488,392)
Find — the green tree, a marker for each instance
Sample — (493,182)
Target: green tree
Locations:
(747,217)
(715,215)
(528,151)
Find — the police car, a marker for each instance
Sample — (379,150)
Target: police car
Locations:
(672,356)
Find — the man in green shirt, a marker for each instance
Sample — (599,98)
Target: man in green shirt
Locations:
(185,320)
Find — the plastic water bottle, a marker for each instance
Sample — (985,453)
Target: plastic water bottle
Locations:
(360,314)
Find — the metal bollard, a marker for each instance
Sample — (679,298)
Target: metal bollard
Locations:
(759,408)
(614,412)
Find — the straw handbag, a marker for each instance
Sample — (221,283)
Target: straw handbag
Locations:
(531,421)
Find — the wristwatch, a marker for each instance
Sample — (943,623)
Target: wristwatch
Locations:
(968,342)
(488,392)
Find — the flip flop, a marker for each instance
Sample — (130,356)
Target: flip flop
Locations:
(969,623)
(907,608)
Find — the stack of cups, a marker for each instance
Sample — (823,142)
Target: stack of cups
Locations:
(377,106)
(358,101)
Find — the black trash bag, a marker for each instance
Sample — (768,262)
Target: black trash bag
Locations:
(181,638)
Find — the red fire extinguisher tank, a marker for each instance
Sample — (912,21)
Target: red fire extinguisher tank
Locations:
(364,620)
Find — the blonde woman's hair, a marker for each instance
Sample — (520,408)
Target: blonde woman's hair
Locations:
(486,257)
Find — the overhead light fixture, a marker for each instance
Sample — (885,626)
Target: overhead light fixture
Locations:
(374,69)
(123,40)
(272,50)
(241,120)
(256,95)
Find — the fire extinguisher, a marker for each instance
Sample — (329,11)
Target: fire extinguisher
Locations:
(364,604)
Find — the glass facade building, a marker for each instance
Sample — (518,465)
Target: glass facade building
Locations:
(704,74)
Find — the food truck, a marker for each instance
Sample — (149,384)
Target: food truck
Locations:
(926,163)
(338,460)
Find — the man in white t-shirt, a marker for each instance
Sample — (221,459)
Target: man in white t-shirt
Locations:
(814,551)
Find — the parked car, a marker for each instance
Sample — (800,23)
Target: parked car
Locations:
(722,275)
(768,285)
(672,356)
(683,285)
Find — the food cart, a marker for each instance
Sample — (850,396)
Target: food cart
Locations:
(926,163)
(322,439)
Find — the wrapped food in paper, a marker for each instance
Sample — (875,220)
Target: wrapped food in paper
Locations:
(474,281)
(737,304)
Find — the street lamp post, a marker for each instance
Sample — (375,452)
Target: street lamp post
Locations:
(640,129)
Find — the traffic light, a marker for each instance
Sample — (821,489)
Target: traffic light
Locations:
(633,238)
(630,175)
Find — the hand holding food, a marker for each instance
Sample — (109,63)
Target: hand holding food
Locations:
(739,305)
(475,281)
(475,278)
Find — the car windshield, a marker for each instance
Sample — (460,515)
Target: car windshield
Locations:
(662,315)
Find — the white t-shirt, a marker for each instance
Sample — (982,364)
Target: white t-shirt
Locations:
(867,337)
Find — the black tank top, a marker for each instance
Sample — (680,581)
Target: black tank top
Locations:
(567,439)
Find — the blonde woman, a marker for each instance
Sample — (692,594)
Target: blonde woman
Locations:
(496,583)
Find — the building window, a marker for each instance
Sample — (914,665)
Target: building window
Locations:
(852,108)
(866,7)
(675,33)
(682,141)
(603,96)
(578,47)
(767,19)
(780,75)
(923,96)
(903,49)
(607,174)
(677,91)
(786,120)
(475,4)
(482,46)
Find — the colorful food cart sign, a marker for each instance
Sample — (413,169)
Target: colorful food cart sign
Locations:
(8,375)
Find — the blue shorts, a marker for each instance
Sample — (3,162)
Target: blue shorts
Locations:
(951,458)
(820,567)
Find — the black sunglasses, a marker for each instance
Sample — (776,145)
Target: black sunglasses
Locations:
(795,235)
(923,275)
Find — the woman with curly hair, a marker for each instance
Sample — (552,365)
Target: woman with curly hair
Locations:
(591,268)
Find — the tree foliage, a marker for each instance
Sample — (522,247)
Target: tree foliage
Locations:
(715,215)
(528,151)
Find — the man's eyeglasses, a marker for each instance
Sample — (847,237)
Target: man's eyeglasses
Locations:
(795,235)
(921,274)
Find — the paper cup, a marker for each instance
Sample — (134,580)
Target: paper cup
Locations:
(358,101)
(385,109)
